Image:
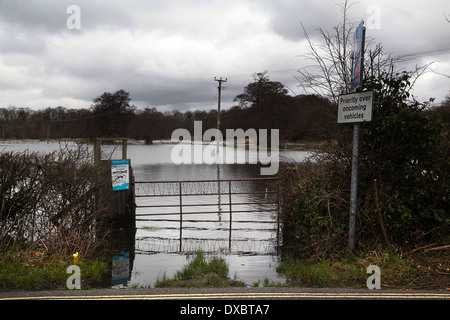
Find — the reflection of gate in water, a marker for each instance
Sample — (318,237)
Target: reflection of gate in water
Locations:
(199,199)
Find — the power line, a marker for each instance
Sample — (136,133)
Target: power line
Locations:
(411,56)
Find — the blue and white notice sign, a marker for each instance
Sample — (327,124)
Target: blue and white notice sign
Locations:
(120,174)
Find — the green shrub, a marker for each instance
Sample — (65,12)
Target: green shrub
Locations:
(403,178)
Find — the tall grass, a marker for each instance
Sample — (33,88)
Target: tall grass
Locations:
(398,271)
(201,272)
(40,270)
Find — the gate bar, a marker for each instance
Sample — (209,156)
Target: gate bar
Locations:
(204,194)
(210,180)
(199,212)
(181,217)
(202,204)
(231,214)
(230,203)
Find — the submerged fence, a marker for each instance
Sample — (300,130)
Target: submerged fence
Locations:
(206,197)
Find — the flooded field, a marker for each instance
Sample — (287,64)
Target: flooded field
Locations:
(251,249)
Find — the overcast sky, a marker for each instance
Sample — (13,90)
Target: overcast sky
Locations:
(167,53)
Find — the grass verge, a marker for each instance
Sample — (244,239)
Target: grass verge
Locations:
(201,272)
(41,270)
(398,270)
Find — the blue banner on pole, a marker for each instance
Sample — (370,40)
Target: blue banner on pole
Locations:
(356,75)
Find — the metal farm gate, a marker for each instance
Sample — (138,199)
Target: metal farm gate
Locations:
(197,198)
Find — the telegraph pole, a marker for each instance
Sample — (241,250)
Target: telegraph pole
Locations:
(217,147)
(218,103)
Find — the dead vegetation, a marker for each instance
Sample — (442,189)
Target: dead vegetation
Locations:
(48,201)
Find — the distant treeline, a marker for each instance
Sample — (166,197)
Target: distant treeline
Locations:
(263,104)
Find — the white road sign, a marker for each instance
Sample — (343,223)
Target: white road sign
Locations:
(355,107)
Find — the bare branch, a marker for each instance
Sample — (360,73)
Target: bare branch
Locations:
(330,74)
(331,57)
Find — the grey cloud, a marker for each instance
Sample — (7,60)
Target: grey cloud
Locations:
(50,16)
(287,17)
(167,53)
(13,40)
(34,16)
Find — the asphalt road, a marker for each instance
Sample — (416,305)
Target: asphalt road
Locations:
(225,303)
(259,293)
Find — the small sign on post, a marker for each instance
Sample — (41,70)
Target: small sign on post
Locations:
(355,107)
(120,174)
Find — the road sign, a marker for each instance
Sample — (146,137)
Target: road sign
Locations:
(355,107)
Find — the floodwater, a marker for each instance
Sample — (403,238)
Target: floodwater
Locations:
(252,249)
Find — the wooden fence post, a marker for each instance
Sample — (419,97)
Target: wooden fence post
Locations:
(120,203)
(97,152)
(117,213)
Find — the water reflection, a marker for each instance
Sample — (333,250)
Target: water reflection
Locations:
(121,244)
(121,270)
(252,254)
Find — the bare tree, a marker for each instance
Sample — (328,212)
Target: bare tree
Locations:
(329,74)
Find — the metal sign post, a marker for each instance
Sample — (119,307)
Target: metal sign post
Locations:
(353,188)
(355,108)
(350,107)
